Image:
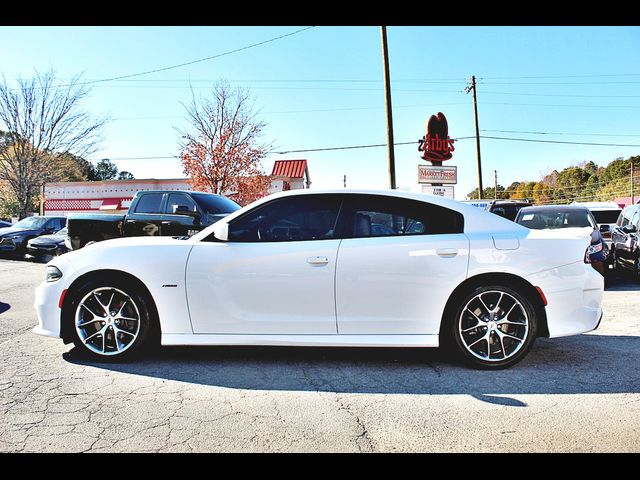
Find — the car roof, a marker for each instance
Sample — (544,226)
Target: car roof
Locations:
(555,208)
(476,219)
(599,205)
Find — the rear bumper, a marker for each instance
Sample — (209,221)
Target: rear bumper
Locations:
(574,296)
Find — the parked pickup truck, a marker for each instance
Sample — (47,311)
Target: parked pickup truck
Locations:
(154,212)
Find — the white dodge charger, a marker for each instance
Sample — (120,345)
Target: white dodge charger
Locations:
(329,268)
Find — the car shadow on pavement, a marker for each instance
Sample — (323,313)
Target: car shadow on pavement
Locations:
(584,364)
(621,282)
(4,307)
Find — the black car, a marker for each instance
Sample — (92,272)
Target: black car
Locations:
(568,216)
(48,245)
(15,237)
(624,239)
(508,208)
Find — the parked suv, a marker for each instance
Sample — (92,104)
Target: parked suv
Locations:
(508,208)
(606,215)
(625,249)
(15,237)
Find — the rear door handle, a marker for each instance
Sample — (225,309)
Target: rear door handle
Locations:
(447,252)
(317,260)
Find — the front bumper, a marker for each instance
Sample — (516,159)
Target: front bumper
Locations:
(42,250)
(46,305)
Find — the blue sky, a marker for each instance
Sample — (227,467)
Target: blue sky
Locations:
(323,88)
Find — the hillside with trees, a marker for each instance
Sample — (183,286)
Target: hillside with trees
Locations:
(584,182)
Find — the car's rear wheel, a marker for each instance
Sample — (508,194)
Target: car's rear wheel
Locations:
(493,327)
(111,320)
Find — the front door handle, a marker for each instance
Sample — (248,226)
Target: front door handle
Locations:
(447,252)
(317,260)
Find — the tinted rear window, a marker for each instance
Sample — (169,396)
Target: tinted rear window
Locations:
(215,203)
(606,216)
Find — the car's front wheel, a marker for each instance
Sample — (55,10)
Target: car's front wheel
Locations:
(493,327)
(111,319)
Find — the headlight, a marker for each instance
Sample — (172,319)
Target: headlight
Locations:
(53,274)
(595,248)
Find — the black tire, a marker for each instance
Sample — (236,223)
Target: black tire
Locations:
(123,339)
(505,343)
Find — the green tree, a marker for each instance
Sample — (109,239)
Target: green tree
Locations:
(124,175)
(104,170)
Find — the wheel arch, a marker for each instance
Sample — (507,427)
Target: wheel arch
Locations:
(506,279)
(66,311)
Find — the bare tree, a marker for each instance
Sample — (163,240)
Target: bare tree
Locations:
(222,147)
(43,120)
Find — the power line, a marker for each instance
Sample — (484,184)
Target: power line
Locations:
(415,142)
(560,105)
(172,67)
(534,140)
(527,94)
(564,133)
(567,76)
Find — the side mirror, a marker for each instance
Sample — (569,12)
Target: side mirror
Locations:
(184,210)
(629,228)
(221,231)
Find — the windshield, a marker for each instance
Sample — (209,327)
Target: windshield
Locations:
(554,219)
(606,216)
(31,222)
(215,203)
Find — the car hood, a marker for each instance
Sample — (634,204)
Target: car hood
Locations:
(570,232)
(135,241)
(48,239)
(13,231)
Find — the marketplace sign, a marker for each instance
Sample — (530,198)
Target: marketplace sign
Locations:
(434,174)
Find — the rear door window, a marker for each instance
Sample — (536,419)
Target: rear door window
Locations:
(378,216)
(149,203)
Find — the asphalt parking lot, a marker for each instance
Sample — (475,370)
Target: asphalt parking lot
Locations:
(575,394)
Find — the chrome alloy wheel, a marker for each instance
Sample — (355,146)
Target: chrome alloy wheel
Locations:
(107,321)
(493,326)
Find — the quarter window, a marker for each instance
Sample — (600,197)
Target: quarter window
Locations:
(378,216)
(307,217)
(149,203)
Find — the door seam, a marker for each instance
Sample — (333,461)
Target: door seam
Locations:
(335,291)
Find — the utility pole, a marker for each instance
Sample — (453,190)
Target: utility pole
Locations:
(475,112)
(633,199)
(387,90)
(495,184)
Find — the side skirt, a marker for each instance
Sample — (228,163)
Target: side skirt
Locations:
(303,340)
